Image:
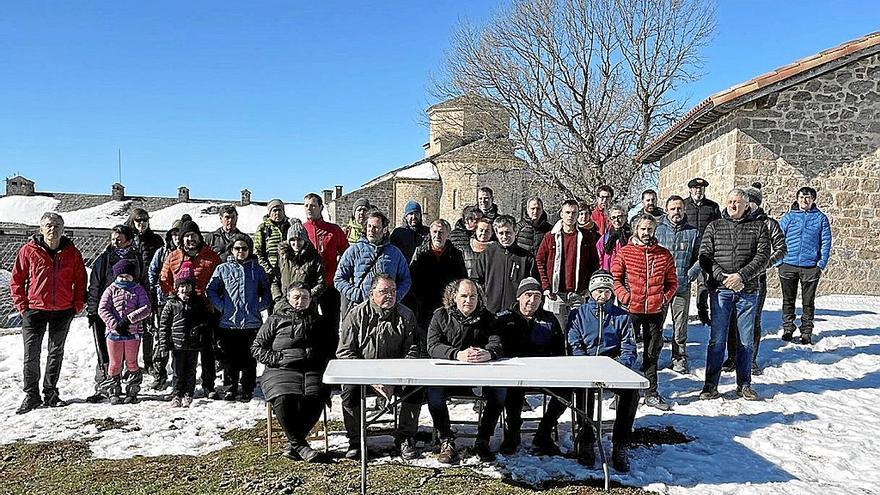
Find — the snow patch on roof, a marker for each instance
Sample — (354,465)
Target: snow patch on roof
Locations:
(425,170)
(26,210)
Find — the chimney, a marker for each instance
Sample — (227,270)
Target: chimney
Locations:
(182,194)
(338,192)
(245,197)
(328,196)
(19,186)
(117,192)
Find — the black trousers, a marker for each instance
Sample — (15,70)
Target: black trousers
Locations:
(513,403)
(408,412)
(329,305)
(209,367)
(297,414)
(184,363)
(99,329)
(651,329)
(160,364)
(439,409)
(238,362)
(702,294)
(35,323)
(627,404)
(789,278)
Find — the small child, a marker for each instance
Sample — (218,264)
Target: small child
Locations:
(183,323)
(124,305)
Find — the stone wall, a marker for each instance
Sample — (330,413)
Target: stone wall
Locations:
(426,192)
(510,182)
(380,194)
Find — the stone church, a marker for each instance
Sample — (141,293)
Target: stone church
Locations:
(814,122)
(468,147)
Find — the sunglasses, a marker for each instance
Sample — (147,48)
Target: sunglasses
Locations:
(141,219)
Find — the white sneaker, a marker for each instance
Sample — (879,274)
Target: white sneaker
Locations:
(187,400)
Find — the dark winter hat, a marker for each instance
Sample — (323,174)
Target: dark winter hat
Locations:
(528,284)
(412,207)
(360,202)
(184,275)
(698,182)
(601,279)
(274,203)
(754,195)
(123,267)
(297,231)
(188,227)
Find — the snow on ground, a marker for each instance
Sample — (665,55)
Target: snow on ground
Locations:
(813,433)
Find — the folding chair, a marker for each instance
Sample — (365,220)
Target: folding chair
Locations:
(529,423)
(274,433)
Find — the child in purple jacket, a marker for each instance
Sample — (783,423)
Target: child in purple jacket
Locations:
(124,306)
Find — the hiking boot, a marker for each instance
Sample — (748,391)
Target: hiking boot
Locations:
(29,404)
(709,393)
(481,449)
(806,339)
(657,402)
(186,401)
(619,460)
(353,453)
(408,450)
(212,394)
(96,398)
(116,400)
(786,335)
(160,384)
(306,453)
(728,366)
(130,399)
(290,453)
(509,444)
(245,397)
(586,455)
(747,393)
(230,395)
(680,366)
(447,453)
(175,402)
(54,401)
(542,444)
(756,370)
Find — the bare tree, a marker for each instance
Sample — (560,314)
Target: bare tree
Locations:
(587,83)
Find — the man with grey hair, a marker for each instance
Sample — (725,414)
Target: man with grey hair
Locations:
(733,253)
(219,240)
(503,265)
(435,264)
(48,288)
(531,229)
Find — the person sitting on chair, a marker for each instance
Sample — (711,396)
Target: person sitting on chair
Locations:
(380,328)
(464,330)
(295,344)
(616,341)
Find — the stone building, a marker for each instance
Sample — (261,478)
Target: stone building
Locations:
(814,122)
(468,147)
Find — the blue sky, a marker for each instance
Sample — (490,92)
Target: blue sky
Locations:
(282,97)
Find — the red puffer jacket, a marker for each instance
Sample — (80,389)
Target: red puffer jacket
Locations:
(46,282)
(203,265)
(644,277)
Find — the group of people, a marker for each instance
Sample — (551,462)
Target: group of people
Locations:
(490,287)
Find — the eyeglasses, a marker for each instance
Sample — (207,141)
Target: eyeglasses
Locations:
(141,219)
(241,248)
(618,217)
(387,292)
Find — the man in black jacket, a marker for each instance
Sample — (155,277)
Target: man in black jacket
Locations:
(120,248)
(219,240)
(502,266)
(464,330)
(733,254)
(531,229)
(412,233)
(700,212)
(528,330)
(434,265)
(486,202)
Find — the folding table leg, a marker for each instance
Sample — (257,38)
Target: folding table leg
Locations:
(599,434)
(363,439)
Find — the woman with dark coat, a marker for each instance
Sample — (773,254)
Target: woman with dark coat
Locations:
(295,344)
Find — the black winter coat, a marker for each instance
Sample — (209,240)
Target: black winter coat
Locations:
(460,237)
(430,275)
(451,332)
(184,325)
(295,346)
(539,337)
(147,244)
(408,240)
(700,216)
(529,234)
(102,274)
(735,246)
(219,241)
(499,271)
(778,248)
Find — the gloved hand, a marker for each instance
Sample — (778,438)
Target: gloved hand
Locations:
(122,328)
(93,320)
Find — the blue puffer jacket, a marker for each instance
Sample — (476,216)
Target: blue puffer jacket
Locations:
(618,340)
(351,279)
(240,291)
(807,237)
(683,241)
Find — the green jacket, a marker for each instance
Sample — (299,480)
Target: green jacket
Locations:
(267,238)
(306,267)
(368,332)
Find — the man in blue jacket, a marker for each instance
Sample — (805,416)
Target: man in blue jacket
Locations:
(616,340)
(808,239)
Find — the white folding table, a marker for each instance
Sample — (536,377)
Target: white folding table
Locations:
(545,373)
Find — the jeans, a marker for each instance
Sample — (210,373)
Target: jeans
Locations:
(440,410)
(733,332)
(34,325)
(680,307)
(407,420)
(789,277)
(238,362)
(297,415)
(651,328)
(726,304)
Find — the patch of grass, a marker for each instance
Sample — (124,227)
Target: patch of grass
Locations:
(243,467)
(106,424)
(658,436)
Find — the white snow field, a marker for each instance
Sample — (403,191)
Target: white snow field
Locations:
(814,432)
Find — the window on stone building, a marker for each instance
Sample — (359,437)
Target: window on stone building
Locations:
(455,199)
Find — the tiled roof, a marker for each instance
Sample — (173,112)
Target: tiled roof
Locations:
(713,107)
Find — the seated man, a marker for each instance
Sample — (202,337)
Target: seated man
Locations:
(616,341)
(528,330)
(462,329)
(379,328)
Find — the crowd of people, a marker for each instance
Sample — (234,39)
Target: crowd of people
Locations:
(298,294)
